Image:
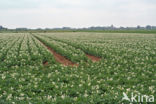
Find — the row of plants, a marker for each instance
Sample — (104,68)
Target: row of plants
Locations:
(5,41)
(71,53)
(85,46)
(129,69)
(46,56)
(12,54)
(5,51)
(128,63)
(22,51)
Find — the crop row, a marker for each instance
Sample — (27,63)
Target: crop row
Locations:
(24,50)
(128,66)
(110,45)
(88,48)
(70,52)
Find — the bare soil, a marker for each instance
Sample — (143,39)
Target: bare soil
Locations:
(45,63)
(93,58)
(59,58)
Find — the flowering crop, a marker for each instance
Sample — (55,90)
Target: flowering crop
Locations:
(24,50)
(128,65)
(68,51)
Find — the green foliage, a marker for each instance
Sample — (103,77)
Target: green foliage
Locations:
(128,65)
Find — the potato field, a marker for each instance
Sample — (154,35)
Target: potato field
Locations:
(76,67)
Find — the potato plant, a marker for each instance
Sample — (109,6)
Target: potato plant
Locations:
(128,65)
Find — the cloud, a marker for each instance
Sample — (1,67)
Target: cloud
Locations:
(16,4)
(76,13)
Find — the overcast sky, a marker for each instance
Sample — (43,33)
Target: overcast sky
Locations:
(76,13)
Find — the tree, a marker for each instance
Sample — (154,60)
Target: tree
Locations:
(148,27)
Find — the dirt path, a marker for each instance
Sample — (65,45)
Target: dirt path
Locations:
(93,58)
(59,58)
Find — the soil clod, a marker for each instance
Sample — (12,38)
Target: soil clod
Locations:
(93,58)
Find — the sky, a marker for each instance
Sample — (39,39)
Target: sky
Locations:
(76,13)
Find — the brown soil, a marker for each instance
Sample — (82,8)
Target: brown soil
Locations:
(45,63)
(93,58)
(59,58)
